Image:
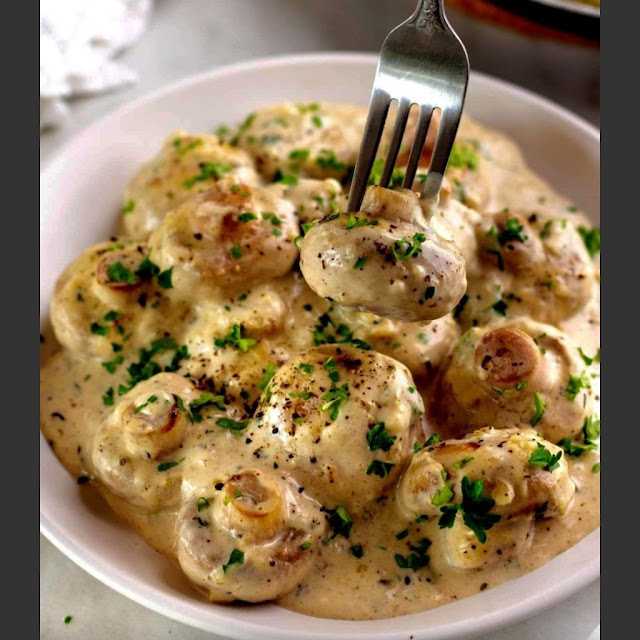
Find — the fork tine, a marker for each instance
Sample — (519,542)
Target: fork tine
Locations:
(378,109)
(398,132)
(421,135)
(442,148)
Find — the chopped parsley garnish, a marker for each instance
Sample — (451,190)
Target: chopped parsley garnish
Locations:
(500,307)
(408,248)
(305,367)
(353,222)
(305,545)
(463,156)
(356,550)
(164,278)
(165,466)
(448,516)
(68,619)
(302,395)
(269,372)
(401,535)
(181,353)
(306,226)
(397,175)
(111,316)
(232,425)
(379,438)
(595,468)
(546,230)
(117,272)
(459,308)
(276,222)
(475,510)
(235,252)
(208,171)
(418,557)
(520,386)
(334,398)
(205,399)
(299,155)
(462,463)
(576,384)
(575,449)
(434,438)
(341,334)
(112,365)
(380,468)
(340,521)
(317,121)
(539,407)
(247,216)
(287,179)
(591,429)
(590,433)
(146,367)
(98,329)
(147,269)
(222,130)
(591,239)
(306,108)
(331,368)
(513,231)
(476,507)
(182,150)
(327,159)
(360,262)
(247,122)
(442,496)
(587,359)
(128,206)
(236,557)
(107,397)
(543,458)
(236,339)
(271,217)
(202,503)
(150,400)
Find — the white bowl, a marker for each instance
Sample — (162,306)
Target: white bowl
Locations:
(80,195)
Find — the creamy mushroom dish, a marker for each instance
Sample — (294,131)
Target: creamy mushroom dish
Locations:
(357,414)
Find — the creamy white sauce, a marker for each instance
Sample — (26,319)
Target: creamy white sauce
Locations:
(339,584)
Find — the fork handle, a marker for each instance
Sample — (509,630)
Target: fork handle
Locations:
(428,13)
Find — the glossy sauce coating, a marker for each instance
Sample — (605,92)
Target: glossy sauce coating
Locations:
(233,416)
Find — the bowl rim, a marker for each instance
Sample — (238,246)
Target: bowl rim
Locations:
(234,626)
(572,6)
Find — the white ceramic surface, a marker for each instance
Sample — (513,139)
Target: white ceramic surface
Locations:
(80,196)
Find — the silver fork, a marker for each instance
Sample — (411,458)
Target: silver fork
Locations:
(423,62)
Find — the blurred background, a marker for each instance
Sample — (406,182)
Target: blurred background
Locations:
(98,55)
(533,43)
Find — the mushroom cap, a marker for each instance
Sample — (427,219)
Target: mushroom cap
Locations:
(136,452)
(342,420)
(254,539)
